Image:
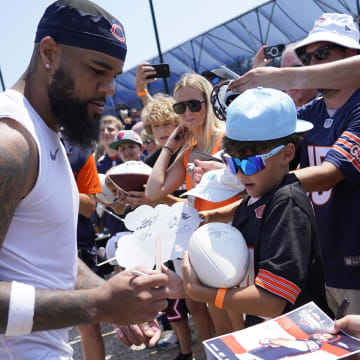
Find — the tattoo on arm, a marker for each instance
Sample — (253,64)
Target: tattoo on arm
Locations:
(62,309)
(18,169)
(86,278)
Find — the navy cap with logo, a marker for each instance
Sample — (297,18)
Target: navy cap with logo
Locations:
(81,23)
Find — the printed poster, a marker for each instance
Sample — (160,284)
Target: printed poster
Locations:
(304,333)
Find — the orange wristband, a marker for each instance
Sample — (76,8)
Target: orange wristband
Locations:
(220,296)
(142,93)
(205,217)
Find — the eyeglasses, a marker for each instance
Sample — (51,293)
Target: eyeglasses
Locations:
(321,53)
(250,165)
(193,105)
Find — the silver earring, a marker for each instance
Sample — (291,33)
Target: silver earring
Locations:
(47,66)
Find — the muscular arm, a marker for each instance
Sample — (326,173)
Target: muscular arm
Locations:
(18,169)
(18,173)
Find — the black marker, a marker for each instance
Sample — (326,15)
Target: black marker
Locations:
(342,309)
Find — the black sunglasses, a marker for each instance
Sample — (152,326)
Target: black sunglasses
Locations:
(193,105)
(321,53)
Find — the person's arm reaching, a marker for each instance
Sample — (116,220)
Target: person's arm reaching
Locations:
(319,178)
(341,74)
(87,204)
(142,72)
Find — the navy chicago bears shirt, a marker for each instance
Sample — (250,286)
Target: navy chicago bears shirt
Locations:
(336,139)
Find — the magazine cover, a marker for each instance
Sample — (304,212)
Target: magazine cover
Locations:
(304,333)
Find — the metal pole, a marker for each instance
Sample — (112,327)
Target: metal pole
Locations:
(2,81)
(158,42)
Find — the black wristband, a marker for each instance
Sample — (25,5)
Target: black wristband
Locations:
(167,148)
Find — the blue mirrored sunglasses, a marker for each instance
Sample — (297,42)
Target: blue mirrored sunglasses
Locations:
(215,80)
(250,165)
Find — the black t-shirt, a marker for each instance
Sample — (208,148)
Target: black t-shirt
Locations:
(281,234)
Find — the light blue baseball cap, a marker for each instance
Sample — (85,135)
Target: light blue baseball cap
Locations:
(263,114)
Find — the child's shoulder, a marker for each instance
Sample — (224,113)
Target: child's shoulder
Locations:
(290,189)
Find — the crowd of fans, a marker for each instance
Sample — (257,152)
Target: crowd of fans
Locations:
(164,118)
(299,165)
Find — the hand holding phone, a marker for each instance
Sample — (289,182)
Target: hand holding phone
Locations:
(272,52)
(162,71)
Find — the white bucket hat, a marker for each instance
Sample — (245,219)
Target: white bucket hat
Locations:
(335,28)
(217,185)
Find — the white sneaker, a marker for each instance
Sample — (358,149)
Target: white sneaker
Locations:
(168,340)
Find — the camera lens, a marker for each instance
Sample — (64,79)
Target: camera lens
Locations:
(274,51)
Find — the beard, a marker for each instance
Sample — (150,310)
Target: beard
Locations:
(72,113)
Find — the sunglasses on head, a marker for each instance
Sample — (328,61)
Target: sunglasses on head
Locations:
(321,53)
(193,105)
(250,165)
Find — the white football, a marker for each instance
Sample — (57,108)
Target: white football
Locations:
(107,196)
(219,255)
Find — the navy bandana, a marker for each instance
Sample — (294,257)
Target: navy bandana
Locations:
(81,23)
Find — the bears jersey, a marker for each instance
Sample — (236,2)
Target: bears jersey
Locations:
(281,234)
(336,139)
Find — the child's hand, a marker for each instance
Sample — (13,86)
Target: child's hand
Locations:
(136,198)
(192,285)
(201,167)
(175,286)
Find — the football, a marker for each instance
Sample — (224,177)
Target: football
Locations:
(106,197)
(130,176)
(219,255)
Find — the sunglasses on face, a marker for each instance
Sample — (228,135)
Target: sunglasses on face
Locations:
(321,53)
(250,165)
(193,105)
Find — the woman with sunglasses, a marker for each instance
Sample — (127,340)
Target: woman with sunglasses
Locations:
(200,130)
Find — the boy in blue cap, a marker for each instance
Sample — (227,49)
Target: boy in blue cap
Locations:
(276,218)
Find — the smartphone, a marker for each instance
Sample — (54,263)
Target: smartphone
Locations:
(274,51)
(162,71)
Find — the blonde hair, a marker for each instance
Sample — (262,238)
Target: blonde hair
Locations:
(112,120)
(213,126)
(159,110)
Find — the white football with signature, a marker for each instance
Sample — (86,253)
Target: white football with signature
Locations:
(219,255)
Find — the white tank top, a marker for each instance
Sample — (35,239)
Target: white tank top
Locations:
(40,246)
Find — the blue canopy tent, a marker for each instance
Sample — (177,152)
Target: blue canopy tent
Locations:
(235,42)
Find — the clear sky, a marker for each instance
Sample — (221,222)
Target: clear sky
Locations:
(177,21)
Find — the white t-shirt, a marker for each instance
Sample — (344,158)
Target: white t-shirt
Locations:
(40,246)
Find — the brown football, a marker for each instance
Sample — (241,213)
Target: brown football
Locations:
(129,182)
